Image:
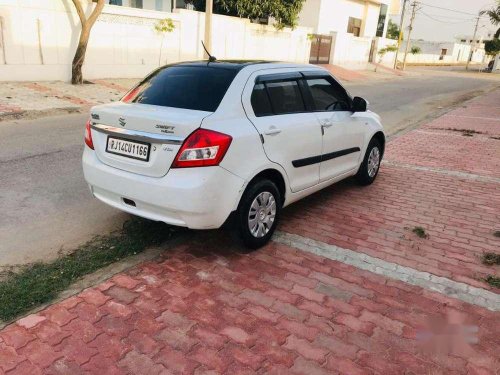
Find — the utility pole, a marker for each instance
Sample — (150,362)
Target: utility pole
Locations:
(208,26)
(472,44)
(400,38)
(413,14)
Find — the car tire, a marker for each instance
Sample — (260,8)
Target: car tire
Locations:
(370,166)
(258,213)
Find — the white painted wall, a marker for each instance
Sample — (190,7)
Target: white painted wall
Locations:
(309,15)
(457,53)
(350,51)
(334,15)
(123,42)
(389,57)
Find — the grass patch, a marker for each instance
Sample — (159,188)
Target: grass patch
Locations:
(491,259)
(420,232)
(493,281)
(39,283)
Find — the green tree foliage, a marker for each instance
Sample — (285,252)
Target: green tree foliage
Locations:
(392,31)
(492,47)
(285,12)
(383,51)
(494,15)
(415,50)
(163,27)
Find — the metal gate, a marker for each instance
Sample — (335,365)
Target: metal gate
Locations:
(321,46)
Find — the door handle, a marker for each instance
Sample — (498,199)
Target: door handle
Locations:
(273,131)
(326,123)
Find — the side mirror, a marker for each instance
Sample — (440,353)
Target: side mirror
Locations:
(359,104)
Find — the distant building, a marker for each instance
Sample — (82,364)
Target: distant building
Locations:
(160,5)
(444,52)
(344,30)
(480,38)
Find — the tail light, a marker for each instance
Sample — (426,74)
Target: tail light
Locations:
(203,148)
(129,96)
(88,136)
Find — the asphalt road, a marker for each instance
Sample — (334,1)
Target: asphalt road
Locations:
(46,207)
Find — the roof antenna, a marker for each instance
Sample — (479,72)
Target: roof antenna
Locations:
(210,57)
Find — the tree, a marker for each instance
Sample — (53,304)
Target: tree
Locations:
(87,23)
(383,51)
(492,47)
(285,12)
(415,50)
(163,27)
(494,14)
(392,30)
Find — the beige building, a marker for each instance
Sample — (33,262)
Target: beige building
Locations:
(345,29)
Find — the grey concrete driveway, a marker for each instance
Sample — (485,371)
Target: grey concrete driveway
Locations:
(46,207)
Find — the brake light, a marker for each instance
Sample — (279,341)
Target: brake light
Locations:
(203,148)
(130,95)
(88,136)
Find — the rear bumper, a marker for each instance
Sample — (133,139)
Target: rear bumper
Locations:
(197,198)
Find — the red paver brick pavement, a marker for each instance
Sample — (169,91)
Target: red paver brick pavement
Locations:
(203,308)
(58,94)
(344,74)
(477,154)
(459,216)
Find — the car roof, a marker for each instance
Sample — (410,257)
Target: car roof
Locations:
(240,64)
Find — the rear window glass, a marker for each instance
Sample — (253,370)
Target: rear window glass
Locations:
(197,88)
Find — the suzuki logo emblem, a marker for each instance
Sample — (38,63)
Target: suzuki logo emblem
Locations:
(122,121)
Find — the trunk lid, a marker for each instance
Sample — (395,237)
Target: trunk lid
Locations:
(163,128)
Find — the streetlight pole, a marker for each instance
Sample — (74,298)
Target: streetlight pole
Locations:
(400,38)
(413,14)
(208,26)
(473,43)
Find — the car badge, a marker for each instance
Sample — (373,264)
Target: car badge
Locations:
(122,121)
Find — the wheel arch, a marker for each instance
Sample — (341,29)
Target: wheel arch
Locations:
(379,136)
(273,175)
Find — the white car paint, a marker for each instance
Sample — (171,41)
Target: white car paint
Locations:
(204,197)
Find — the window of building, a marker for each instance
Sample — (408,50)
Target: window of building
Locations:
(444,52)
(328,95)
(159,5)
(381,20)
(136,3)
(115,2)
(354,26)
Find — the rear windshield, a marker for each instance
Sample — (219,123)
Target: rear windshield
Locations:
(198,88)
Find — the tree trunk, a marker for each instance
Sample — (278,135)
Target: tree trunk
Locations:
(76,70)
(87,23)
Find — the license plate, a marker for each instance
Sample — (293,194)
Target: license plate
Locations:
(130,149)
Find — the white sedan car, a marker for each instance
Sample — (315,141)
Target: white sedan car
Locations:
(196,143)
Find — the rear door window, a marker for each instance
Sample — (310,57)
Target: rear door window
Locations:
(277,98)
(198,88)
(260,101)
(328,95)
(285,97)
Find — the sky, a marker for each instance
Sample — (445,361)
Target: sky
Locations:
(441,25)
